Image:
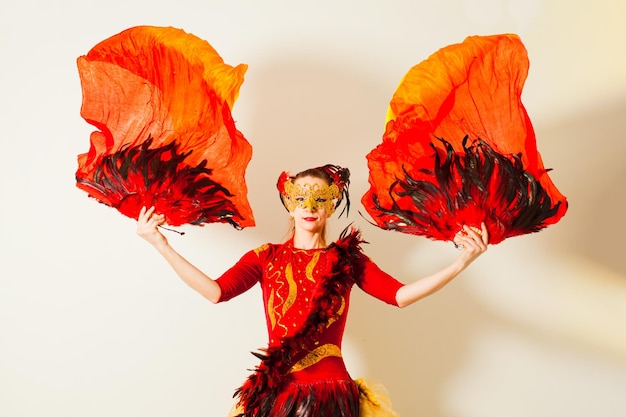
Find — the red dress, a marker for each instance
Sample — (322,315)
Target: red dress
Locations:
(306,295)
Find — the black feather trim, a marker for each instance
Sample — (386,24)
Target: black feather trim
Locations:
(479,183)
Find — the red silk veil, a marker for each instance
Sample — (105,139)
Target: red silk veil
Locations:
(459,148)
(161,100)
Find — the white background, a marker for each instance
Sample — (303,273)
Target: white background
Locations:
(93,322)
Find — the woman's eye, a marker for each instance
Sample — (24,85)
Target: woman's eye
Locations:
(321,200)
(299,199)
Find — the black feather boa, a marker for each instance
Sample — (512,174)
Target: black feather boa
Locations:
(257,396)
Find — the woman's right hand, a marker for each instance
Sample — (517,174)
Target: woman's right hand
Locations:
(147,224)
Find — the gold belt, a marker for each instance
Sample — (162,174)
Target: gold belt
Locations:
(315,356)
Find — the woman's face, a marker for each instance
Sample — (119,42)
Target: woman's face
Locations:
(313,201)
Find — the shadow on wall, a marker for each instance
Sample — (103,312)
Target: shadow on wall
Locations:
(307,113)
(587,151)
(416,351)
(421,353)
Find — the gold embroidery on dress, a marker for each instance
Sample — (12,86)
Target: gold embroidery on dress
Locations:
(311,266)
(315,356)
(293,289)
(277,304)
(338,313)
(261,248)
(275,298)
(270,309)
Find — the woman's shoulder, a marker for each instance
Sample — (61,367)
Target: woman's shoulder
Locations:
(267,249)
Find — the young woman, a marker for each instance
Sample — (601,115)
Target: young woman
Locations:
(306,286)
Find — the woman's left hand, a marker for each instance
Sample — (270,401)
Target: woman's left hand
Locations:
(473,242)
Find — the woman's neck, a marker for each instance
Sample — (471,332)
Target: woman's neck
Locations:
(308,241)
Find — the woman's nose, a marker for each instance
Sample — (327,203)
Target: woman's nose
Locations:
(310,205)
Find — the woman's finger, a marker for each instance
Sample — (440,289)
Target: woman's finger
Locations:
(485,235)
(472,238)
(144,214)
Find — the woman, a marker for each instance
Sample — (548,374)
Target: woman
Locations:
(306,287)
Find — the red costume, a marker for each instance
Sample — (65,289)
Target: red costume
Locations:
(306,295)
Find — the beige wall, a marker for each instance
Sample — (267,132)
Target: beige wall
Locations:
(93,323)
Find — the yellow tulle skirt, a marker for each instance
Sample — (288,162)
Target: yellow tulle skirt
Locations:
(373,401)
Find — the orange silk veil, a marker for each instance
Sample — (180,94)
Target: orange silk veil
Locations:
(460,149)
(161,100)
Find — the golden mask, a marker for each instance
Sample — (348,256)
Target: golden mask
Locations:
(311,197)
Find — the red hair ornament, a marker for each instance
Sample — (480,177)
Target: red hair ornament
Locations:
(161,100)
(460,149)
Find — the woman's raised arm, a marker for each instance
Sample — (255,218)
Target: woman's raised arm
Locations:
(147,224)
(473,244)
